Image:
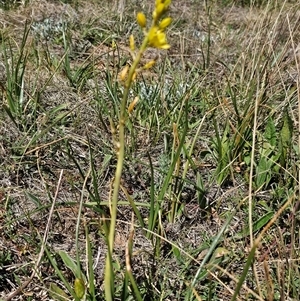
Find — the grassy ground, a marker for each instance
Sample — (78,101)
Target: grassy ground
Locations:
(209,198)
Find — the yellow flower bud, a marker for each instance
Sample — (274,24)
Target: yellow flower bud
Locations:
(149,64)
(123,73)
(159,10)
(166,3)
(134,76)
(165,23)
(141,19)
(79,288)
(131,42)
(132,105)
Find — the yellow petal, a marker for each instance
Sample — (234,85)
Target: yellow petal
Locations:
(152,32)
(161,36)
(157,39)
(165,46)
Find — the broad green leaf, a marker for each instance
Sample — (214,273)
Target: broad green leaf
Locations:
(270,132)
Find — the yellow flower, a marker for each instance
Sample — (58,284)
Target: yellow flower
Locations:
(157,38)
(141,19)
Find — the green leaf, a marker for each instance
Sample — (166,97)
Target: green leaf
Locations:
(34,199)
(263,171)
(70,263)
(286,132)
(90,273)
(57,293)
(222,147)
(176,252)
(270,132)
(259,224)
(286,135)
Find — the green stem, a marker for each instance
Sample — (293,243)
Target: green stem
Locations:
(109,282)
(121,146)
